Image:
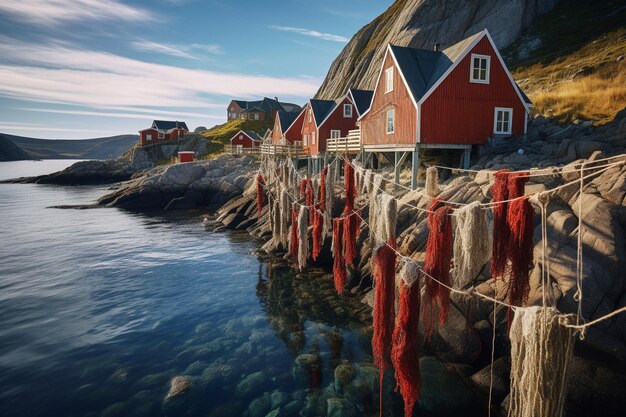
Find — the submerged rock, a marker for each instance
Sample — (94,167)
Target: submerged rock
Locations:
(251,384)
(178,386)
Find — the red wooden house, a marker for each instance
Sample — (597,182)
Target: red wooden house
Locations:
(453,99)
(163,131)
(287,128)
(326,119)
(245,139)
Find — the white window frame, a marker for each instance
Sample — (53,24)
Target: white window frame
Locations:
(335,134)
(389,80)
(256,116)
(312,138)
(487,70)
(348,113)
(393,121)
(149,136)
(305,140)
(161,135)
(503,110)
(240,137)
(310,115)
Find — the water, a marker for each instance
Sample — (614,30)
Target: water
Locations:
(100,309)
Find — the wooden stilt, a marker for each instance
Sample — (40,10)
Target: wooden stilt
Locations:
(467,154)
(414,166)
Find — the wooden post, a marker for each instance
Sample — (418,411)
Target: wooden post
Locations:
(414,166)
(396,168)
(467,154)
(308,166)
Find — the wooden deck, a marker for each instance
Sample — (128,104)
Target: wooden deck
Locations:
(286,151)
(237,150)
(351,144)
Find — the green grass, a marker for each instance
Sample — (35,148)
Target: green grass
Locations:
(574,73)
(219,136)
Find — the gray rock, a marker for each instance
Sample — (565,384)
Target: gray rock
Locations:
(178,386)
(259,406)
(501,373)
(337,407)
(306,369)
(251,384)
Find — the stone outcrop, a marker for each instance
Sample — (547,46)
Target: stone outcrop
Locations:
(420,24)
(184,186)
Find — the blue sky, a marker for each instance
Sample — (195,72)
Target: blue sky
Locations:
(90,68)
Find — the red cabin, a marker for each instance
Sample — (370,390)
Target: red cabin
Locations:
(325,119)
(245,139)
(163,131)
(186,156)
(287,128)
(455,98)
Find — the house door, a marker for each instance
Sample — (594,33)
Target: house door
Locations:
(239,149)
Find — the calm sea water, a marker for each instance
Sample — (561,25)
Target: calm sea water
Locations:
(100,309)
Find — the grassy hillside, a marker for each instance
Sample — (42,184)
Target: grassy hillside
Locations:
(220,135)
(99,148)
(569,62)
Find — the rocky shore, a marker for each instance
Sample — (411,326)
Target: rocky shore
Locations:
(465,341)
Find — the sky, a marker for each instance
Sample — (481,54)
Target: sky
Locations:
(73,69)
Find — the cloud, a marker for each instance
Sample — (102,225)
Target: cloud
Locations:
(5,127)
(61,74)
(148,115)
(181,51)
(311,33)
(53,12)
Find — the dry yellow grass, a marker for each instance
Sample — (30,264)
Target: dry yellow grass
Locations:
(596,97)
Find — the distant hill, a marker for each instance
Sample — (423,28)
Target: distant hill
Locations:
(98,148)
(9,151)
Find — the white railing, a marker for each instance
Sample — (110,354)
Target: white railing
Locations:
(292,151)
(239,150)
(350,144)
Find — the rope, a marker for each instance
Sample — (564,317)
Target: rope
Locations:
(578,296)
(472,291)
(534,172)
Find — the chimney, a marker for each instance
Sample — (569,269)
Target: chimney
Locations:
(276,98)
(436,47)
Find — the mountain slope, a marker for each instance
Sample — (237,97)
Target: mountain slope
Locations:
(9,151)
(98,148)
(420,24)
(571,61)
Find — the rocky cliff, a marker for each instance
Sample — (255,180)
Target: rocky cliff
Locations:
(420,24)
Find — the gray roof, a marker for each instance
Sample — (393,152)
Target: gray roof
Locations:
(290,107)
(362,99)
(523,94)
(286,119)
(422,68)
(321,109)
(253,135)
(168,124)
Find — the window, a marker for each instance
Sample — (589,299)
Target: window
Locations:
(232,109)
(256,116)
(148,137)
(389,80)
(502,121)
(240,137)
(335,134)
(480,69)
(161,135)
(306,140)
(243,116)
(310,116)
(312,138)
(347,110)
(390,121)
